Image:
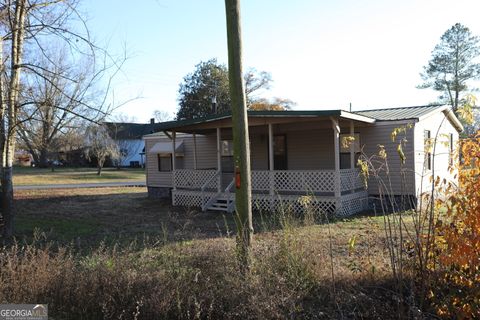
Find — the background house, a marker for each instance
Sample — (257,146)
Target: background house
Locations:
(128,137)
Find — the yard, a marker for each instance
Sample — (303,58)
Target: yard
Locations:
(42,176)
(108,252)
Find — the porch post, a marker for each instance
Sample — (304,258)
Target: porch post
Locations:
(219,161)
(352,146)
(271,164)
(174,135)
(194,151)
(336,144)
(352,156)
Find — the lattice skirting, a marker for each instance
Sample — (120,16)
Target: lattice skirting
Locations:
(350,203)
(185,198)
(353,203)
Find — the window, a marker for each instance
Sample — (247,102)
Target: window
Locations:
(427,147)
(280,152)
(227,156)
(164,162)
(345,150)
(450,144)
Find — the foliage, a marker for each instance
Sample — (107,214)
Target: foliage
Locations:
(453,64)
(456,291)
(208,83)
(275,104)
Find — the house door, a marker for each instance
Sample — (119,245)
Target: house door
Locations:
(280,152)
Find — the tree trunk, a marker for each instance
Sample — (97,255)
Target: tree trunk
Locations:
(7,203)
(10,106)
(99,166)
(43,158)
(243,192)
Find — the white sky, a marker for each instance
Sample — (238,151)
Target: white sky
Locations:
(321,54)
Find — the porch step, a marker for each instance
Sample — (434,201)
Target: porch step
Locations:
(219,205)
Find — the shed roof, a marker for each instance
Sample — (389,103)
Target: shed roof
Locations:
(403,113)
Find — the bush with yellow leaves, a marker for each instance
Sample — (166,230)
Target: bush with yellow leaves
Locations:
(455,291)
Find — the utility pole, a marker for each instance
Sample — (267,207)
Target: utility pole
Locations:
(241,145)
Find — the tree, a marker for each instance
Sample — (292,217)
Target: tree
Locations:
(100,146)
(161,116)
(276,104)
(26,29)
(209,84)
(241,143)
(55,107)
(453,65)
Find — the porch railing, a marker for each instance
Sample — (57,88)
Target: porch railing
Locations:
(194,179)
(320,181)
(350,180)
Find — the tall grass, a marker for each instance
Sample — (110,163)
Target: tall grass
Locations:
(290,277)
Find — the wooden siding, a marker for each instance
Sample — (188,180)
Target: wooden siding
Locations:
(380,134)
(439,127)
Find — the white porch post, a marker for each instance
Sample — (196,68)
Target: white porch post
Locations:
(219,161)
(194,151)
(352,146)
(174,134)
(271,164)
(352,155)
(336,144)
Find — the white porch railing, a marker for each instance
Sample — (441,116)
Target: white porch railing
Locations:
(322,181)
(295,180)
(193,179)
(350,179)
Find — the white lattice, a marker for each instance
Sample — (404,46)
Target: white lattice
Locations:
(350,179)
(320,205)
(186,198)
(193,179)
(306,181)
(261,180)
(350,204)
(353,203)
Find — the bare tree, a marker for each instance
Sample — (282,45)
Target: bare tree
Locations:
(162,116)
(100,146)
(55,107)
(27,26)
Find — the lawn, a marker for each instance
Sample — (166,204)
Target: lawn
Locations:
(41,176)
(116,253)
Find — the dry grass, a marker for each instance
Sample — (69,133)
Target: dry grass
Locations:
(183,264)
(39,176)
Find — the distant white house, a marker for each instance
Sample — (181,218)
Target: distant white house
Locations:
(128,137)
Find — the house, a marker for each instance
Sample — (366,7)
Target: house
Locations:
(128,137)
(298,153)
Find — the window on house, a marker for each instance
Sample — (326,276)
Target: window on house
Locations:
(451,146)
(345,150)
(227,156)
(427,147)
(164,162)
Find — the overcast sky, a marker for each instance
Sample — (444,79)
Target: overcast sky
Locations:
(321,54)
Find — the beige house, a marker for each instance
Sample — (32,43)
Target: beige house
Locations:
(298,153)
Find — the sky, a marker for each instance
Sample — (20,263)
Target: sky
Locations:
(321,54)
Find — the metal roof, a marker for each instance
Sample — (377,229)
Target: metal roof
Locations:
(403,113)
(169,125)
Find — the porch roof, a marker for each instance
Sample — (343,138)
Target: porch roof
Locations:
(257,118)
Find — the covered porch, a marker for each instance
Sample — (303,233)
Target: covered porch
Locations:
(297,161)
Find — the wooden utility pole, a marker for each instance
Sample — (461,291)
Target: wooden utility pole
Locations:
(241,145)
